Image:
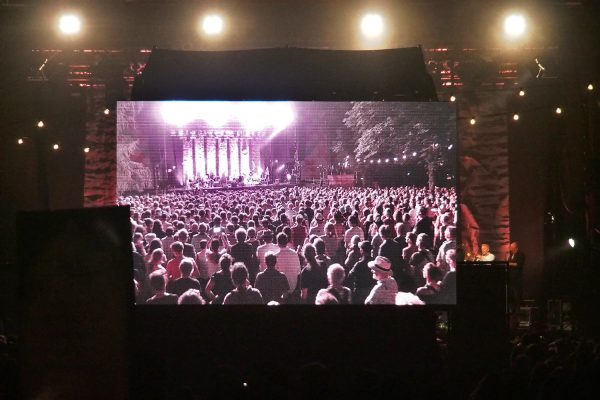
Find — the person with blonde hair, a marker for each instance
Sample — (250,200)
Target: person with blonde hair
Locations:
(335,276)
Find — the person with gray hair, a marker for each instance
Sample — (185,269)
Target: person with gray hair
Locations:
(336,275)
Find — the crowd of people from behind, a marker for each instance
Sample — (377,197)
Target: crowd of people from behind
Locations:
(295,245)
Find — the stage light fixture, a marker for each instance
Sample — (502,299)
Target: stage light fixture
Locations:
(20,141)
(86,149)
(212,25)
(515,26)
(372,25)
(395,158)
(515,117)
(472,121)
(288,177)
(571,242)
(55,146)
(558,111)
(590,87)
(404,156)
(453,98)
(414,153)
(379,161)
(371,161)
(387,160)
(450,147)
(106,111)
(40,124)
(69,24)
(521,93)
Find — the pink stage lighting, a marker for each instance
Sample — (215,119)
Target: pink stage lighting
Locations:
(252,116)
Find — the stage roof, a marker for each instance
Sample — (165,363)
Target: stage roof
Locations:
(286,74)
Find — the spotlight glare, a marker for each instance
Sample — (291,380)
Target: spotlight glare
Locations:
(372,25)
(55,146)
(40,124)
(414,153)
(521,93)
(371,161)
(516,117)
(106,111)
(212,24)
(288,177)
(590,87)
(395,158)
(379,161)
(20,141)
(404,156)
(450,147)
(515,26)
(387,160)
(453,98)
(571,242)
(69,24)
(472,121)
(86,149)
(558,110)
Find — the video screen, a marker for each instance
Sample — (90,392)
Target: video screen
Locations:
(281,202)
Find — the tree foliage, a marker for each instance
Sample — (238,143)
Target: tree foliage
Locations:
(386,128)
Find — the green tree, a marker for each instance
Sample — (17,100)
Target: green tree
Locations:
(423,129)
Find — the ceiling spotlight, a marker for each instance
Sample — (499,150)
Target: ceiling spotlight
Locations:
(472,121)
(558,110)
(395,158)
(106,111)
(371,161)
(372,25)
(450,147)
(453,98)
(379,161)
(212,25)
(516,117)
(590,87)
(55,146)
(86,149)
(40,124)
(521,93)
(515,26)
(20,141)
(387,160)
(414,153)
(571,242)
(404,156)
(69,24)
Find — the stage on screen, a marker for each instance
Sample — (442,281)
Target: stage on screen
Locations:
(290,202)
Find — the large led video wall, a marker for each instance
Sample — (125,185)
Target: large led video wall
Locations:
(290,202)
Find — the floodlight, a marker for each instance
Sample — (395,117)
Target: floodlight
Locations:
(372,25)
(571,242)
(212,25)
(69,24)
(515,26)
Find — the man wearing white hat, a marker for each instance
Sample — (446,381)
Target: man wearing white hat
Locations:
(384,292)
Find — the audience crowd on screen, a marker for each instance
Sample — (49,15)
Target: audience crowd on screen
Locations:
(299,245)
